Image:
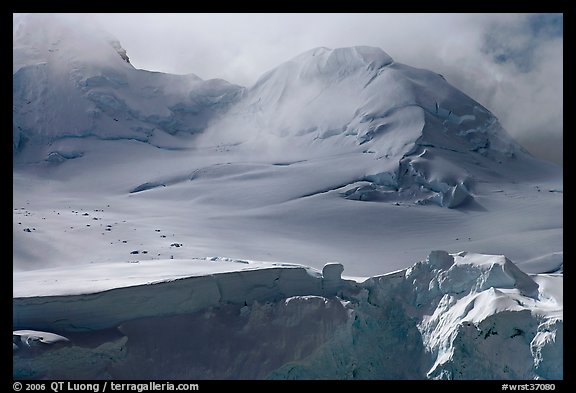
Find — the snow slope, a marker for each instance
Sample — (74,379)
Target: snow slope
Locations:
(460,316)
(337,154)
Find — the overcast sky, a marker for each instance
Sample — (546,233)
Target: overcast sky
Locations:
(510,63)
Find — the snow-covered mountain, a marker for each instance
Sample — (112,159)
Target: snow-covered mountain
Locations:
(72,80)
(426,141)
(124,177)
(281,170)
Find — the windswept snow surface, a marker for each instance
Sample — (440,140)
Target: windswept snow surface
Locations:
(124,178)
(336,155)
(460,316)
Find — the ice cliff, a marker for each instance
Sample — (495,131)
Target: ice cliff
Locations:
(451,316)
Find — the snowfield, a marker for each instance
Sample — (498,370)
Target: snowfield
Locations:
(146,204)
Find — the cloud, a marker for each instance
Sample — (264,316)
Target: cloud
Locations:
(510,63)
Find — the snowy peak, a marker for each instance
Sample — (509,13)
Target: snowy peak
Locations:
(419,135)
(66,40)
(359,95)
(121,51)
(339,62)
(74,80)
(323,66)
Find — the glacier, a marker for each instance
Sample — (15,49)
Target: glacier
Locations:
(450,316)
(145,207)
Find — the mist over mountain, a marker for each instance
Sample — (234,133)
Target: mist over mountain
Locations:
(339,155)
